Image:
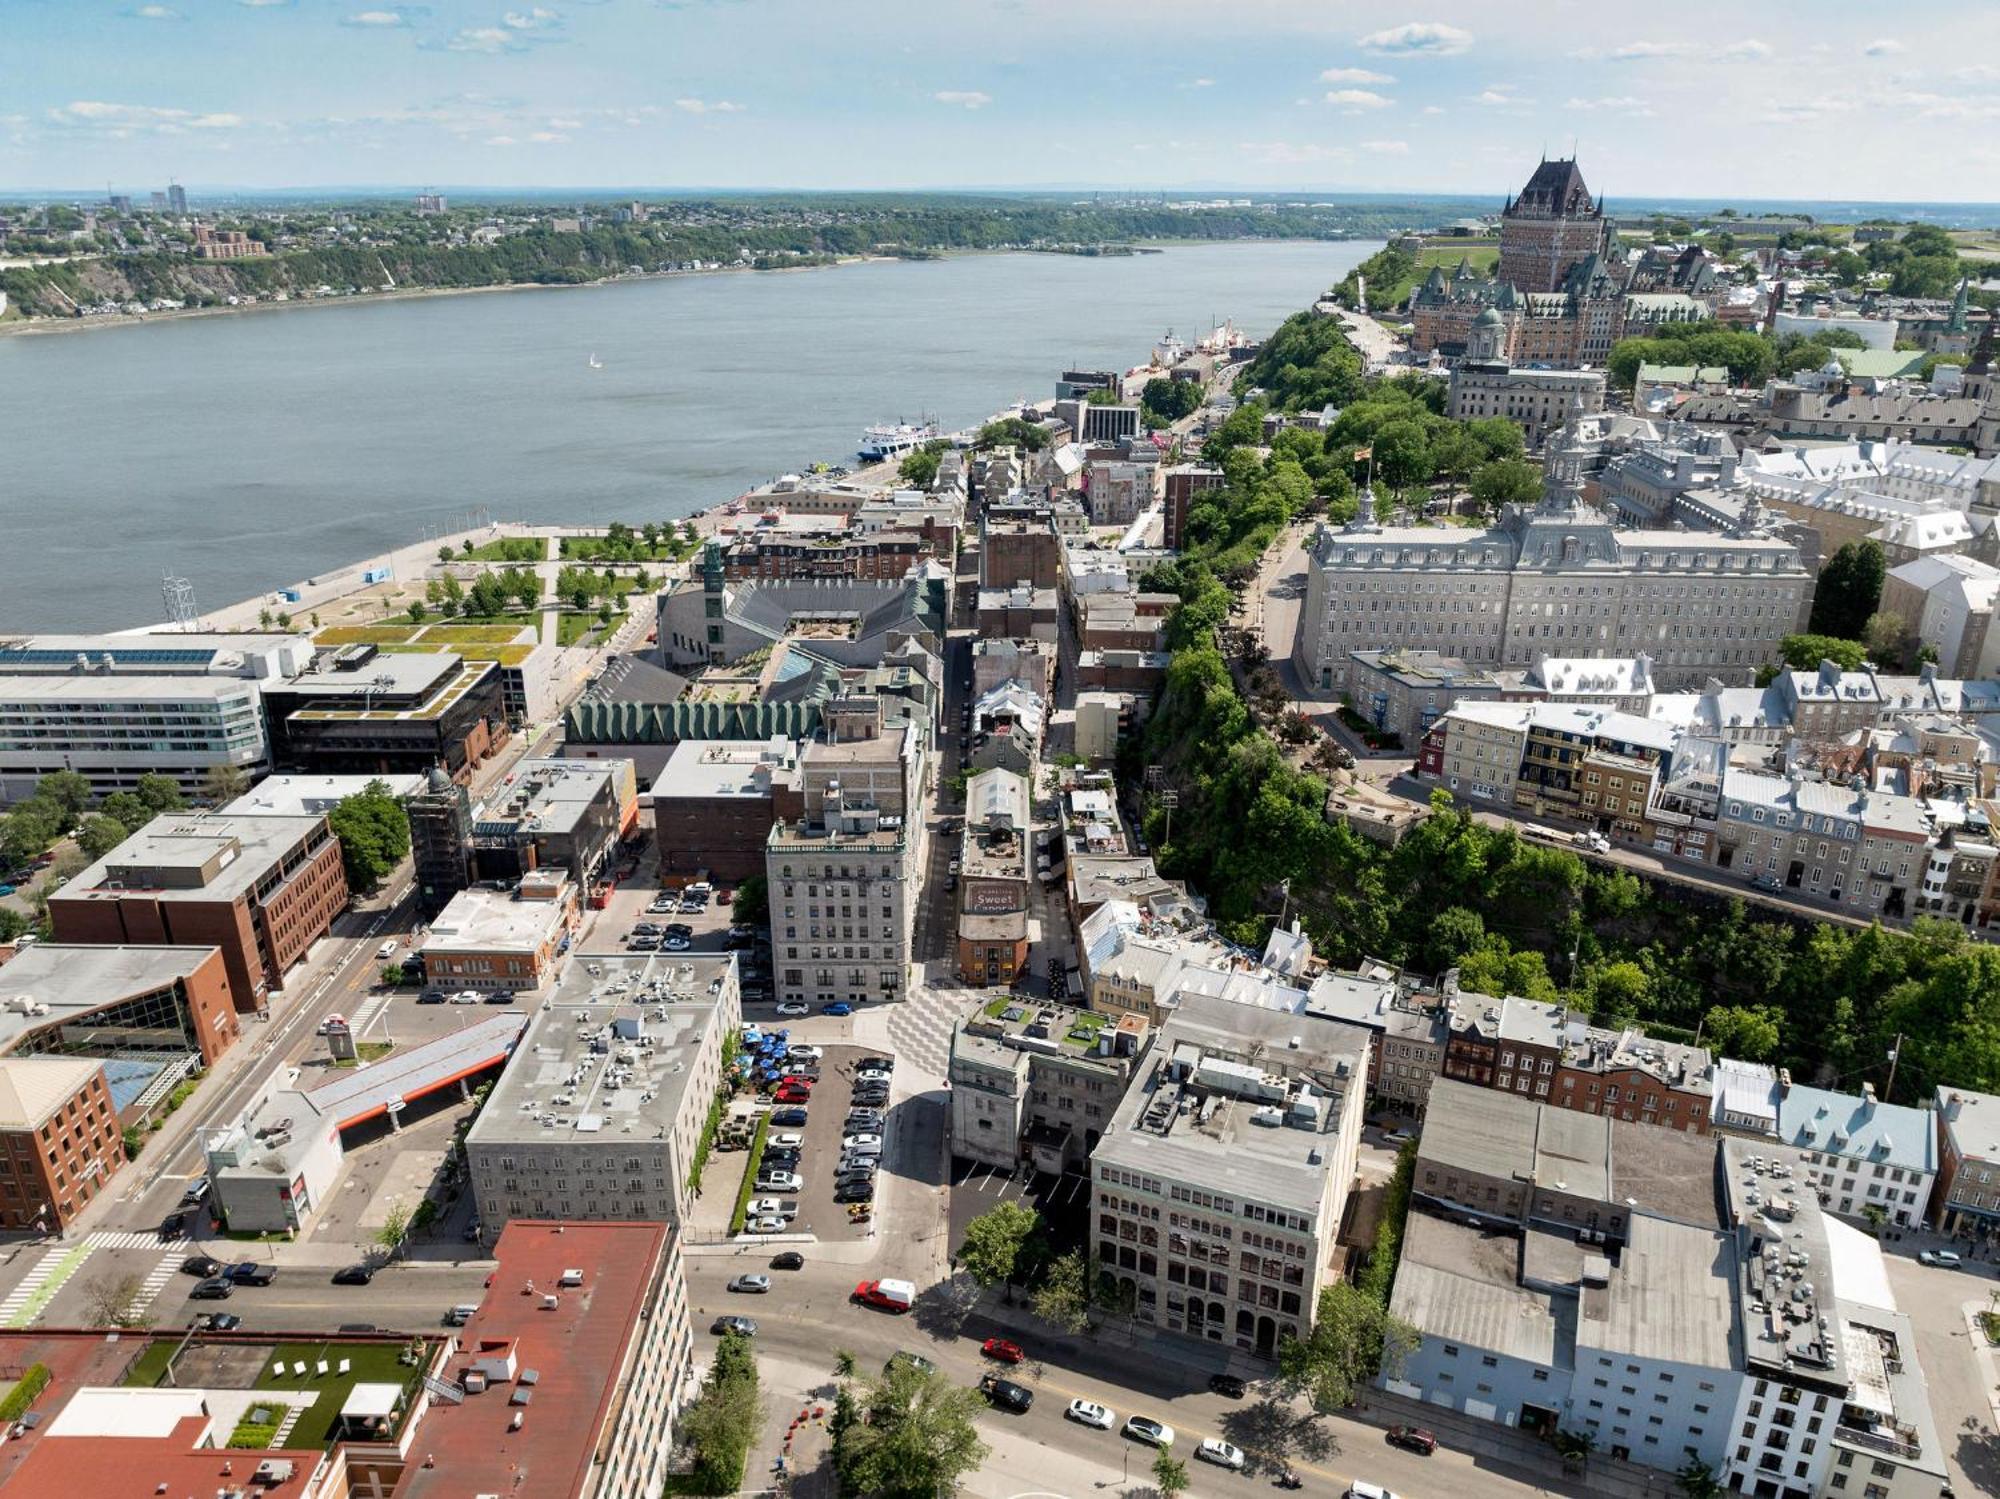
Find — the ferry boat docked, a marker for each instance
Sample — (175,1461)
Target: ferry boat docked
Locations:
(893,440)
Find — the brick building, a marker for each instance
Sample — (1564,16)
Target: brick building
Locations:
(1184,482)
(262,889)
(60,1139)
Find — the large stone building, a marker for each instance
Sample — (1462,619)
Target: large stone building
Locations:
(1557,579)
(1219,1185)
(1038,1083)
(846,873)
(1565,290)
(1487,384)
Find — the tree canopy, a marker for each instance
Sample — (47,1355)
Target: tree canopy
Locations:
(912,1436)
(1849,588)
(374,834)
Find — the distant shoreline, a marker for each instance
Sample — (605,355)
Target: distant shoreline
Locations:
(35,327)
(28,327)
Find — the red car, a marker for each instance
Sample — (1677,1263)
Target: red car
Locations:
(1413,1437)
(792,1093)
(1002,1350)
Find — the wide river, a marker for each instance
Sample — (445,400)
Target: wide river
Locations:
(247,452)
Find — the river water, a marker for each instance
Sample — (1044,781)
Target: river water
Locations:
(247,452)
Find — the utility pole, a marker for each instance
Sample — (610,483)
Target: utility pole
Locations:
(1169,799)
(1895,1056)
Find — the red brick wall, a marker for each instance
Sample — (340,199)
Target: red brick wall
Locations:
(64,1163)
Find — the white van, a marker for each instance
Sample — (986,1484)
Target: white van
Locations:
(461,1314)
(1362,1489)
(387,950)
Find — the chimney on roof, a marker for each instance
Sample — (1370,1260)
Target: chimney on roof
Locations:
(1952,1104)
(1784,1082)
(1867,1099)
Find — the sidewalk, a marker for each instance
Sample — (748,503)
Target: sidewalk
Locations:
(1514,1452)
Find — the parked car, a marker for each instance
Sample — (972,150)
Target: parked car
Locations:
(914,1360)
(466,997)
(354,1275)
(216,1289)
(854,1192)
(501,997)
(772,1225)
(251,1273)
(794,1008)
(1146,1429)
(785,1142)
(794,1118)
(1003,1351)
(805,1054)
(1007,1394)
(1227,1385)
(1090,1413)
(751,1285)
(204,1266)
(1946,1258)
(791,1259)
(217,1322)
(778,1181)
(838,1007)
(1413,1437)
(771,1207)
(876,1064)
(431,997)
(173,1226)
(790,1094)
(1222,1454)
(743,1326)
(676,944)
(197,1191)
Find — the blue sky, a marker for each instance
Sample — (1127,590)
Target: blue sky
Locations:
(1837,99)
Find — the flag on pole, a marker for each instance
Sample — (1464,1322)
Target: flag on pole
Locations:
(1362,455)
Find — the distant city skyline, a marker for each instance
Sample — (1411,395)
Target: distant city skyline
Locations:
(1707,100)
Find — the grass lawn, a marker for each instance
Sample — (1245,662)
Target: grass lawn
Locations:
(506,549)
(372,1364)
(455,635)
(571,628)
(366,634)
(1484,255)
(151,1366)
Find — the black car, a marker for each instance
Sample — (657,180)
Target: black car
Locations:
(354,1275)
(500,997)
(871,1097)
(791,1259)
(203,1266)
(212,1290)
(250,1273)
(876,1064)
(1004,1392)
(791,1118)
(432,997)
(174,1226)
(217,1322)
(855,1192)
(1228,1386)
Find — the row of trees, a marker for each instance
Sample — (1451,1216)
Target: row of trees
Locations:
(1750,358)
(721,1423)
(63,803)
(491,594)
(374,834)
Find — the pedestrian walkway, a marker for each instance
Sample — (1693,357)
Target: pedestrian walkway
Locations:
(365,1012)
(918,1030)
(38,1287)
(163,1271)
(109,1238)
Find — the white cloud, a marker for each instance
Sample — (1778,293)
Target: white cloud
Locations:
(1614,104)
(1433,109)
(1354,100)
(537,19)
(967,98)
(1883,46)
(1354,75)
(157,13)
(1201,83)
(380,18)
(263,4)
(1387,148)
(501,140)
(563,123)
(488,39)
(545,136)
(1417,39)
(1747,50)
(1499,96)
(123,120)
(707,107)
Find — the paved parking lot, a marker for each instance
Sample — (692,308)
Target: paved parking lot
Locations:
(819,1214)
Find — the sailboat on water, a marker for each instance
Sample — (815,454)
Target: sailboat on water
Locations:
(596,363)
